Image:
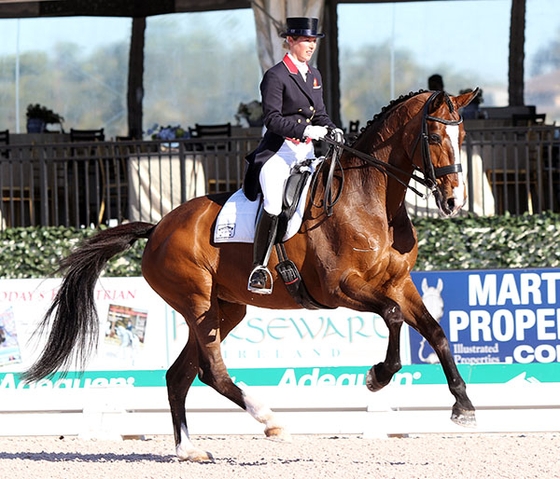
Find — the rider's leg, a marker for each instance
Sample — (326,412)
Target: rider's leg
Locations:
(272,178)
(265,235)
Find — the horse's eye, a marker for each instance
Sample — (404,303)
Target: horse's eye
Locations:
(435,138)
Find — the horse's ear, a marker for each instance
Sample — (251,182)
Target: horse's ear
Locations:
(438,100)
(424,285)
(464,99)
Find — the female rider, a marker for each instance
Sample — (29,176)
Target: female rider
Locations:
(294,114)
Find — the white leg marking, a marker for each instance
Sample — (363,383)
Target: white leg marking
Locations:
(265,416)
(186,450)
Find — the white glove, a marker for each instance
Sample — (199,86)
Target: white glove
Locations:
(315,132)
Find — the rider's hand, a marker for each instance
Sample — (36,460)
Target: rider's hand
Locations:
(315,132)
(338,134)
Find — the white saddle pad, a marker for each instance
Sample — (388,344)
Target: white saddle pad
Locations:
(236,220)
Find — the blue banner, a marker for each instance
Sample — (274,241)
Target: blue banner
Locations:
(492,316)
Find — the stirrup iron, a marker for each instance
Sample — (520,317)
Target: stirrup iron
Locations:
(268,280)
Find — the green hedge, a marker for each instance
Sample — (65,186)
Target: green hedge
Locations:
(530,241)
(34,252)
(496,242)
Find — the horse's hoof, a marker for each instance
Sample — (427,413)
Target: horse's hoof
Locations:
(463,417)
(278,434)
(371,381)
(195,455)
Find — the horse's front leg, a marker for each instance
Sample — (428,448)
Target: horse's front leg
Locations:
(381,374)
(417,316)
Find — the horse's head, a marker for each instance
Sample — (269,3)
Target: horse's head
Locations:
(437,151)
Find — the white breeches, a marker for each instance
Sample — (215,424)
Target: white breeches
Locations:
(276,170)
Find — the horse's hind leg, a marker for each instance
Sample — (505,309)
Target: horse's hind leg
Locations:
(213,371)
(179,379)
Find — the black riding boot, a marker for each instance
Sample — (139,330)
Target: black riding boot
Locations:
(265,236)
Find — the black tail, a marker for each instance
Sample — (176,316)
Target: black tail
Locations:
(75,327)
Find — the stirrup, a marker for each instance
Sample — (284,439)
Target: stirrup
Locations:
(268,279)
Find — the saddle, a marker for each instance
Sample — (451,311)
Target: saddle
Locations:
(236,223)
(295,185)
(286,268)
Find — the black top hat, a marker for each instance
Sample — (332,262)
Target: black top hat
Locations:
(301,27)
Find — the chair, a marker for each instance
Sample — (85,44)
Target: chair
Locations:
(354,126)
(5,140)
(212,131)
(218,130)
(353,130)
(88,173)
(87,135)
(16,179)
(218,163)
(116,177)
(535,119)
(114,187)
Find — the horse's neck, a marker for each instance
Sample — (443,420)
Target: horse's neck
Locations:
(374,183)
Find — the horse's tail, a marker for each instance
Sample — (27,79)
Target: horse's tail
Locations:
(75,324)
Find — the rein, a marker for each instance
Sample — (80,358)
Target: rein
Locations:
(430,174)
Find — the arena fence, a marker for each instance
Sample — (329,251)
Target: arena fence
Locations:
(509,169)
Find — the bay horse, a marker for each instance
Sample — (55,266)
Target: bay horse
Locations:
(357,254)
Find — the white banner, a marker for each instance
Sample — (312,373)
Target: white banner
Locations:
(138,331)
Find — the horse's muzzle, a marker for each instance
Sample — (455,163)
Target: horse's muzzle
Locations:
(448,205)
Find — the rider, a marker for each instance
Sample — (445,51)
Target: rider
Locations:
(294,114)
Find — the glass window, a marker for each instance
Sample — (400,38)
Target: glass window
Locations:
(542,57)
(199,67)
(389,49)
(75,66)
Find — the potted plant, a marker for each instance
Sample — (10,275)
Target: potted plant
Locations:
(38,117)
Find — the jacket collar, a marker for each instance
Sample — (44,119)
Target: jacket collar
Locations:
(290,65)
(300,82)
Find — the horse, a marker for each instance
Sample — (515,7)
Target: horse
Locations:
(355,249)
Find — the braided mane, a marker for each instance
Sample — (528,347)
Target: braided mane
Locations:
(386,109)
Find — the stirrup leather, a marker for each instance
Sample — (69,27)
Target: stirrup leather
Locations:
(258,280)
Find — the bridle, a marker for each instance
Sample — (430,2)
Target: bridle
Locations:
(429,173)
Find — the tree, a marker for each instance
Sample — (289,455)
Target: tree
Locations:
(517,52)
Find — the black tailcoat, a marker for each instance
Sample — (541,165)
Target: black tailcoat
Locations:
(290,104)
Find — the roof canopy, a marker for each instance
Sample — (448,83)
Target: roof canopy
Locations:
(111,8)
(128,8)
